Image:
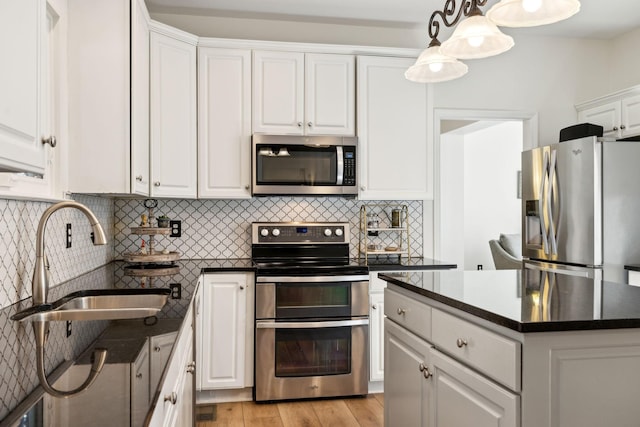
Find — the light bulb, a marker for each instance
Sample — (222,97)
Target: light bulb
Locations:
(475,41)
(435,66)
(531,5)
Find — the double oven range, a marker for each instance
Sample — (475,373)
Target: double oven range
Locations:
(312,312)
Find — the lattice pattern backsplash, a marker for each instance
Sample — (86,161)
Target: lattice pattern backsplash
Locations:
(221,228)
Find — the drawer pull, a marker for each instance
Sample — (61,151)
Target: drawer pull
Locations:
(461,343)
(375,307)
(401,311)
(427,374)
(173,398)
(139,375)
(422,367)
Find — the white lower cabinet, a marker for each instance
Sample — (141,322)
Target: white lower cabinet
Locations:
(175,404)
(406,390)
(426,388)
(462,397)
(225,332)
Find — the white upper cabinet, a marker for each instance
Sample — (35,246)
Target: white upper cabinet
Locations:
(224,123)
(21,32)
(298,94)
(108,60)
(396,160)
(173,113)
(618,113)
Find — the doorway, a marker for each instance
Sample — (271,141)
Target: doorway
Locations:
(477,182)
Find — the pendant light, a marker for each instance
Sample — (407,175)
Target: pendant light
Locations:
(432,66)
(476,37)
(529,13)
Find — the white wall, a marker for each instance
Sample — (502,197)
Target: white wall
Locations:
(625,62)
(478,170)
(491,206)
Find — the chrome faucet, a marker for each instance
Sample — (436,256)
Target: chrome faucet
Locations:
(40,291)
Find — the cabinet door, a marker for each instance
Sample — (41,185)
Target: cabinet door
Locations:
(140,387)
(376,337)
(159,349)
(173,117)
(462,397)
(278,92)
(406,390)
(395,158)
(224,123)
(330,94)
(631,116)
(608,116)
(222,348)
(21,32)
(139,98)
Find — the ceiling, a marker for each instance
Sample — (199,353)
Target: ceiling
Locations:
(596,19)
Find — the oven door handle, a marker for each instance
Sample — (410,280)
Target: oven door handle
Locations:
(311,279)
(311,325)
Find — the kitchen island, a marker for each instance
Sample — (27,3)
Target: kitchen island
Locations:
(492,348)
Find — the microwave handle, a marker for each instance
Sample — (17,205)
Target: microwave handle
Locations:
(340,168)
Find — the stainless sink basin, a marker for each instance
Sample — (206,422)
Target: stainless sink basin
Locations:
(102,304)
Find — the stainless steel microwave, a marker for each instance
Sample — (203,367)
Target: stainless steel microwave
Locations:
(304,165)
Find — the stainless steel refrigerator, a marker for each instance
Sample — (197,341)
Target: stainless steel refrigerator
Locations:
(581,207)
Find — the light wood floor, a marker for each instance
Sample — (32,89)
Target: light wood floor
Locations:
(352,412)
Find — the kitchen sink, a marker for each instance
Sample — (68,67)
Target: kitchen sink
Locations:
(99,304)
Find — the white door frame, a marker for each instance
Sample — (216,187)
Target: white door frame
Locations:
(530,140)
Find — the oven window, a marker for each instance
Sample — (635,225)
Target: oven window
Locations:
(296,165)
(298,300)
(313,352)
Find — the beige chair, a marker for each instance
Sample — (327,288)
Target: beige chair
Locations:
(507,251)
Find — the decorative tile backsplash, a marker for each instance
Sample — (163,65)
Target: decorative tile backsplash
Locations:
(18,224)
(222,228)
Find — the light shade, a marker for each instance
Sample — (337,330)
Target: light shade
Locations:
(529,13)
(432,66)
(476,37)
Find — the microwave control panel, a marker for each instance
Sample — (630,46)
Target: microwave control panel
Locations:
(349,155)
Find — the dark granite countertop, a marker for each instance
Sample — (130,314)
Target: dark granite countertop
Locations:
(395,263)
(507,298)
(632,267)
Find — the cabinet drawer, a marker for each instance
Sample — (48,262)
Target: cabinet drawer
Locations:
(496,356)
(413,315)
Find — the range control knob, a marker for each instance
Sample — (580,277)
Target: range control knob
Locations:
(264,232)
(327,232)
(338,232)
(275,232)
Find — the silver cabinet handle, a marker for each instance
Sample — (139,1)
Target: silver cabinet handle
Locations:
(139,375)
(362,188)
(623,127)
(173,398)
(426,373)
(139,178)
(51,141)
(461,342)
(310,124)
(156,184)
(401,311)
(299,124)
(421,367)
(246,187)
(156,349)
(242,287)
(191,367)
(374,306)
(615,128)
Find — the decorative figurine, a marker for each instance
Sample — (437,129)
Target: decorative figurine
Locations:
(144,221)
(143,248)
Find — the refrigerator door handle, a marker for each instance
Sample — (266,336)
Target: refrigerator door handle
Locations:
(550,196)
(569,270)
(541,200)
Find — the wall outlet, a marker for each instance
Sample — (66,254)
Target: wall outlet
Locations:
(479,266)
(176,290)
(68,238)
(176,228)
(68,328)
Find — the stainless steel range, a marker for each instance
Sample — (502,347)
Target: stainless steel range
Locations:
(312,324)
